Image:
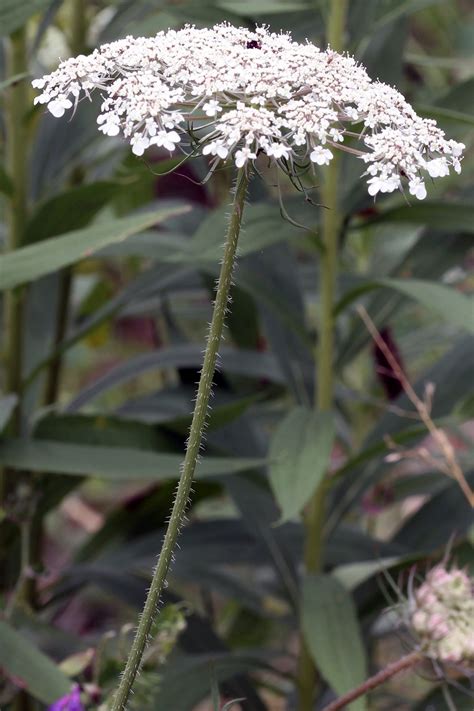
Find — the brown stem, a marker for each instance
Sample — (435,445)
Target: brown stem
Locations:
(406,662)
(422,408)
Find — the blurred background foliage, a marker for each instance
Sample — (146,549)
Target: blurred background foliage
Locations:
(114,279)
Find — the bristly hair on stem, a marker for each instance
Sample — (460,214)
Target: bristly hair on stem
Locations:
(193,446)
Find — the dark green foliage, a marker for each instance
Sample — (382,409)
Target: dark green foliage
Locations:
(92,469)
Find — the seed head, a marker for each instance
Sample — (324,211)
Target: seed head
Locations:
(232,94)
(442,615)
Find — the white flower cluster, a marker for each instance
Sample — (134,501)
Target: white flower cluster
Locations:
(234,93)
(442,615)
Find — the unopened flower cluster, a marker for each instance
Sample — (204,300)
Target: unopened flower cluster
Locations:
(232,93)
(442,615)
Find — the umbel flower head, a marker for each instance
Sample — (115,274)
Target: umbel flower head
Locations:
(442,615)
(231,93)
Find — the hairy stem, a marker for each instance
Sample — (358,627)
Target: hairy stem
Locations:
(406,662)
(192,449)
(324,395)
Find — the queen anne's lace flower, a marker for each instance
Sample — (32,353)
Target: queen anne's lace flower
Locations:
(442,615)
(230,92)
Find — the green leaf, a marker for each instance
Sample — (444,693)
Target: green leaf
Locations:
(402,9)
(110,463)
(332,634)
(172,693)
(438,215)
(35,261)
(6,185)
(11,80)
(263,227)
(460,698)
(454,307)
(23,661)
(441,113)
(443,516)
(353,574)
(14,14)
(70,210)
(7,405)
(299,457)
(261,7)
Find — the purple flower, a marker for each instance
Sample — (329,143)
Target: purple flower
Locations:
(70,702)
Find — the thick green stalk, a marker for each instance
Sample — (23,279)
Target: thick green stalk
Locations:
(17,106)
(78,41)
(192,450)
(78,45)
(16,147)
(324,395)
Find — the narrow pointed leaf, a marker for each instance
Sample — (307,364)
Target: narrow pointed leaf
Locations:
(451,305)
(25,663)
(31,262)
(112,463)
(438,215)
(13,14)
(333,636)
(7,405)
(299,457)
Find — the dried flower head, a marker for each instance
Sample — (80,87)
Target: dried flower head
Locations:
(232,93)
(442,615)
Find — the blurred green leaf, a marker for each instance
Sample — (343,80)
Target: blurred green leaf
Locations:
(113,463)
(11,80)
(196,670)
(460,97)
(70,210)
(353,574)
(401,9)
(261,7)
(14,14)
(332,634)
(300,451)
(440,113)
(25,663)
(34,261)
(429,258)
(460,699)
(438,215)
(263,227)
(450,304)
(249,364)
(6,186)
(444,515)
(7,405)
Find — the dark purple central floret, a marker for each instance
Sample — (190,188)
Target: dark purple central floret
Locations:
(254,44)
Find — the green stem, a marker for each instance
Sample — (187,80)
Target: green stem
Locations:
(54,370)
(78,45)
(16,154)
(77,41)
(192,450)
(16,107)
(324,395)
